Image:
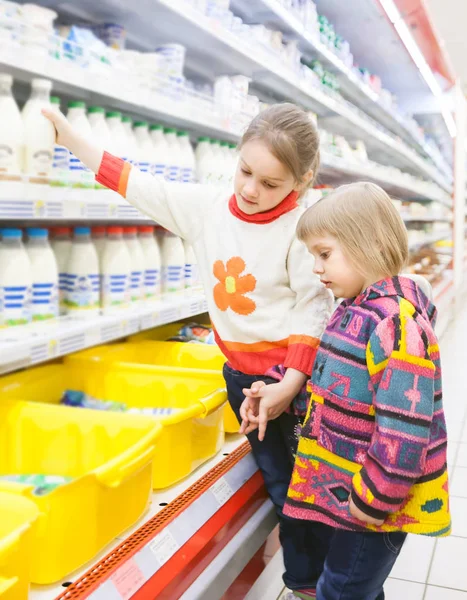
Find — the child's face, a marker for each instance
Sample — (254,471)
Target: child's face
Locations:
(261,180)
(334,268)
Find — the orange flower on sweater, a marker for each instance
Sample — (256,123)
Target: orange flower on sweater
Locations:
(232,287)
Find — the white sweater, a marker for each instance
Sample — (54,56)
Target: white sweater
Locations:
(266,305)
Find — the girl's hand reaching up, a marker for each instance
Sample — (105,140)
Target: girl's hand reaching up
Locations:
(68,136)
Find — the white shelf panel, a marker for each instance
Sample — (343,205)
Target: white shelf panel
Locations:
(427,219)
(31,344)
(431,238)
(341,170)
(23,200)
(351,86)
(208,43)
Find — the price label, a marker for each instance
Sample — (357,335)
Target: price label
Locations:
(52,348)
(39,208)
(164,546)
(222,491)
(128,579)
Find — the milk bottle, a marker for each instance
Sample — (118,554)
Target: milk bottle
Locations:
(174,154)
(173,263)
(61,157)
(187,158)
(83,293)
(152,261)
(204,159)
(98,239)
(117,132)
(116,270)
(145,146)
(15,280)
(132,150)
(100,130)
(161,151)
(137,264)
(44,273)
(61,246)
(11,130)
(191,266)
(81,175)
(39,132)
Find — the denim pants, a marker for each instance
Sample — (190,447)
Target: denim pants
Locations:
(358,564)
(304,543)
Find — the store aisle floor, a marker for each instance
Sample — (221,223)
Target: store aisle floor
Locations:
(430,569)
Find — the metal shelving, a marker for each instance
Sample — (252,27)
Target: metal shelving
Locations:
(26,345)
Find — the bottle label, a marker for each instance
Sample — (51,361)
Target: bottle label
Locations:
(82,291)
(152,282)
(173,173)
(81,175)
(8,159)
(62,292)
(44,301)
(136,286)
(159,169)
(191,275)
(41,162)
(187,175)
(173,277)
(115,291)
(60,163)
(15,305)
(144,166)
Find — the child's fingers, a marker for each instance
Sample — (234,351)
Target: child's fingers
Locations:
(244,410)
(262,422)
(254,390)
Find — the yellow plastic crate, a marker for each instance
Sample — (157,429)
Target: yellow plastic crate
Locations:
(108,456)
(170,354)
(188,437)
(17,521)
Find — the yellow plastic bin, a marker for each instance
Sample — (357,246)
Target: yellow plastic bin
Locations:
(18,517)
(189,437)
(174,354)
(108,458)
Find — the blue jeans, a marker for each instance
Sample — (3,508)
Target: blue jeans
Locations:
(358,564)
(304,543)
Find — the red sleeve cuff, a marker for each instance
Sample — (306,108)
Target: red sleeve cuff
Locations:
(113,173)
(300,357)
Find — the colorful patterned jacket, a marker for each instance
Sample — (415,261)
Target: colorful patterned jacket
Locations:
(375,427)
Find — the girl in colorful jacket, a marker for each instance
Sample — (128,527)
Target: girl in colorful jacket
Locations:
(371,459)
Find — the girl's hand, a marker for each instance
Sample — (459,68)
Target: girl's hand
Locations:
(248,411)
(83,148)
(361,516)
(268,402)
(64,131)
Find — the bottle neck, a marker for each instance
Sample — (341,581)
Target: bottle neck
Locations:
(11,243)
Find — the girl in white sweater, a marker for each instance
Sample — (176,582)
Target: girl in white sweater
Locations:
(267,307)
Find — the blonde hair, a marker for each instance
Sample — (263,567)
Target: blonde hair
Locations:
(291,137)
(366,224)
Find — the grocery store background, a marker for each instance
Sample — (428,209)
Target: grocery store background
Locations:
(167,503)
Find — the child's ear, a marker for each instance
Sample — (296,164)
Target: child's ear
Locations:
(305,181)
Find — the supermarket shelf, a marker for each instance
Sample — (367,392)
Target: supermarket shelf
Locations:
(24,201)
(427,219)
(220,507)
(351,86)
(27,345)
(209,43)
(431,238)
(337,169)
(160,498)
(98,88)
(444,294)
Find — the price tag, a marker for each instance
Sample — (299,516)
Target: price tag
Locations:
(128,579)
(164,546)
(39,208)
(222,491)
(52,348)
